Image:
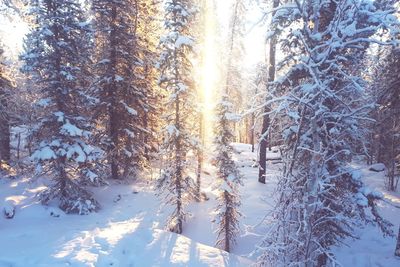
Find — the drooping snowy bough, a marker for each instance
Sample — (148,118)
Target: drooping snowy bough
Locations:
(321,90)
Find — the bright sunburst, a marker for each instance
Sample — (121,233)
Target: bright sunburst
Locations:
(12,33)
(209,68)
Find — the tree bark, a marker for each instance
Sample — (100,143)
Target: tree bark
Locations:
(178,166)
(252,129)
(397,251)
(266,119)
(200,160)
(113,117)
(227,222)
(5,135)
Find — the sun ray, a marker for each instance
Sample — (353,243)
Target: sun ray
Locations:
(209,68)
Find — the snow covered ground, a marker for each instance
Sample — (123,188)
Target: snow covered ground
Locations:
(372,249)
(128,231)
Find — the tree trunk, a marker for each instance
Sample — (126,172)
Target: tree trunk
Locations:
(5,154)
(5,135)
(113,116)
(252,132)
(397,251)
(266,119)
(227,222)
(18,146)
(263,149)
(62,176)
(178,166)
(200,160)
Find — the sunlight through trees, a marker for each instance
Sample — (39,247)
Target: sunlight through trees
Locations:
(267,128)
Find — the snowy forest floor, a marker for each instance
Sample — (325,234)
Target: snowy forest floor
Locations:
(128,231)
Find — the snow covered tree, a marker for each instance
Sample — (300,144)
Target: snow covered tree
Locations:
(320,197)
(56,50)
(149,32)
(175,67)
(122,89)
(229,178)
(5,86)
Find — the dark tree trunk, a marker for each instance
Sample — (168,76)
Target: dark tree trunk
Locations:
(200,160)
(62,176)
(5,154)
(270,141)
(61,100)
(379,156)
(112,113)
(5,134)
(252,132)
(397,251)
(227,222)
(266,119)
(178,165)
(178,152)
(263,149)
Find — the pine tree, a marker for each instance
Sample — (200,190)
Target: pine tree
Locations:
(321,198)
(56,50)
(122,89)
(229,178)
(149,12)
(175,67)
(228,174)
(5,86)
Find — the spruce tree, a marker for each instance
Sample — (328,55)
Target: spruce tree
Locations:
(229,178)
(123,92)
(175,68)
(149,31)
(56,50)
